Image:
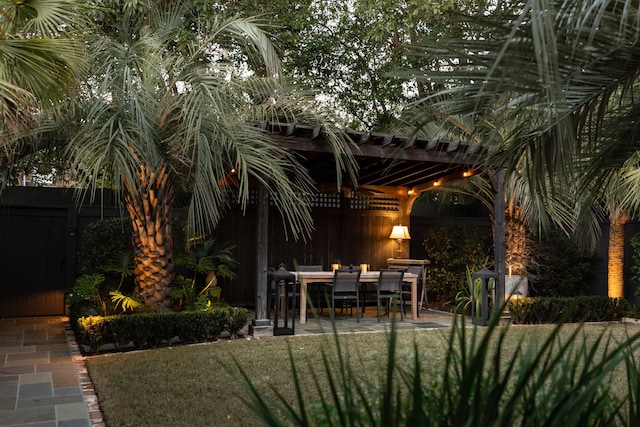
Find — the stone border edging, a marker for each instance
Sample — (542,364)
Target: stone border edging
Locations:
(88,392)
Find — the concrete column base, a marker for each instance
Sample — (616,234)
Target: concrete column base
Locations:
(261,328)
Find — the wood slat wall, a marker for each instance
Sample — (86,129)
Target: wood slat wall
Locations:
(352,236)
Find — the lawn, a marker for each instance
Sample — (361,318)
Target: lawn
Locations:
(199,385)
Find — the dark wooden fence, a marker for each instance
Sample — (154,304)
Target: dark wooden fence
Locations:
(40,230)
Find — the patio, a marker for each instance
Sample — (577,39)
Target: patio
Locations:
(429,319)
(43,380)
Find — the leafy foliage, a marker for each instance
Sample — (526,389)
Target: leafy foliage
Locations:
(124,302)
(40,62)
(563,268)
(102,242)
(451,250)
(148,329)
(594,308)
(203,262)
(346,50)
(472,294)
(635,266)
(235,320)
(122,264)
(85,295)
(90,293)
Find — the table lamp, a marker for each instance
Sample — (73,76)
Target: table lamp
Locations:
(400,233)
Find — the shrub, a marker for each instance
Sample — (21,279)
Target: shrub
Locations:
(155,329)
(451,250)
(635,265)
(91,293)
(556,309)
(85,296)
(236,319)
(563,268)
(200,266)
(101,242)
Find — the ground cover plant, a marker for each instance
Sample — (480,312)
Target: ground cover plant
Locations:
(465,376)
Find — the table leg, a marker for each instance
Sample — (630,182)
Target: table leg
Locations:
(414,297)
(303,301)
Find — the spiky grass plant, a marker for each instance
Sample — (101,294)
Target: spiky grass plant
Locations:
(563,382)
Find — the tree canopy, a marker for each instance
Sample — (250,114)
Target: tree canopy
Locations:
(347,51)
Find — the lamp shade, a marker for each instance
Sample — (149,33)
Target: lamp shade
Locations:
(400,232)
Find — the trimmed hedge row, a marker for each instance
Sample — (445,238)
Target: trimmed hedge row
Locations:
(573,310)
(156,329)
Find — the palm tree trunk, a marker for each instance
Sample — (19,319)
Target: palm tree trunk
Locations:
(615,263)
(516,242)
(149,205)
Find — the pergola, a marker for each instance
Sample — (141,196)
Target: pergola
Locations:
(388,164)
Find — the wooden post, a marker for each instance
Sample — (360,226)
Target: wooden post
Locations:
(499,233)
(261,324)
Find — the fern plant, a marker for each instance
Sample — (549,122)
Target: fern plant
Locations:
(86,295)
(125,302)
(203,262)
(122,264)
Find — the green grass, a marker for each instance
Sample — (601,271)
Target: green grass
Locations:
(200,384)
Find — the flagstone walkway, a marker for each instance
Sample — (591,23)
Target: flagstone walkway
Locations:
(43,380)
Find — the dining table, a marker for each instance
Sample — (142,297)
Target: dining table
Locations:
(306,277)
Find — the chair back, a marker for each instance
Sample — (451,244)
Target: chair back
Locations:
(346,281)
(390,280)
(310,268)
(415,270)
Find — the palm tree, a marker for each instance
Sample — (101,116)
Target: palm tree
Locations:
(523,210)
(168,109)
(564,75)
(622,203)
(38,65)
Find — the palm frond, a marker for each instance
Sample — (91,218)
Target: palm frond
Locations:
(171,100)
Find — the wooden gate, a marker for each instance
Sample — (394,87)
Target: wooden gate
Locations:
(32,265)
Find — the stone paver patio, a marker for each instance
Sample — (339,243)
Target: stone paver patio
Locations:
(43,380)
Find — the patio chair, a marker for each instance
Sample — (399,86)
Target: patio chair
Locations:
(364,288)
(390,289)
(351,268)
(317,291)
(310,267)
(346,288)
(422,291)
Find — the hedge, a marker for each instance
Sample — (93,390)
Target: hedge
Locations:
(576,309)
(155,329)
